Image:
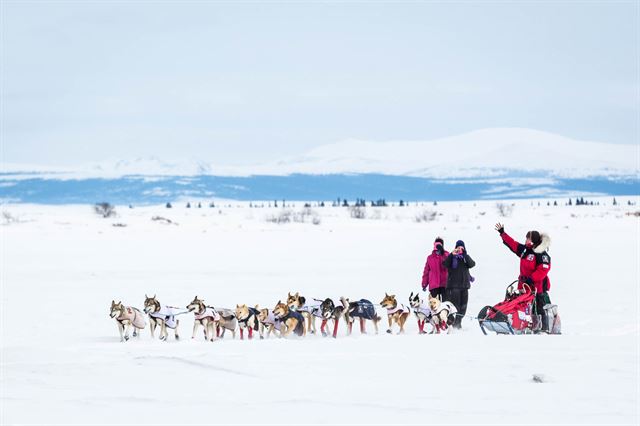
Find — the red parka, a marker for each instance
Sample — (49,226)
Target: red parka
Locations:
(535,263)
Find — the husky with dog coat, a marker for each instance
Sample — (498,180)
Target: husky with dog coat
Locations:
(269,322)
(162,316)
(127,316)
(332,310)
(247,318)
(443,314)
(362,309)
(292,320)
(395,313)
(204,316)
(421,310)
(310,309)
(228,322)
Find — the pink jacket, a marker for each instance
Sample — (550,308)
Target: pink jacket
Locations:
(435,274)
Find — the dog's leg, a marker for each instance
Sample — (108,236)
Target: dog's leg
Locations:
(162,328)
(312,324)
(206,327)
(323,324)
(362,326)
(196,323)
(241,334)
(335,327)
(390,318)
(152,327)
(121,330)
(350,328)
(375,324)
(401,321)
(250,333)
(175,331)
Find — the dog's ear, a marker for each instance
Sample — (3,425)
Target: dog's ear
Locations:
(145,296)
(257,308)
(120,302)
(295,295)
(113,302)
(393,296)
(385,294)
(154,296)
(411,296)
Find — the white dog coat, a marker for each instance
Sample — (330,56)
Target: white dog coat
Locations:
(312,308)
(168,314)
(272,320)
(398,308)
(445,306)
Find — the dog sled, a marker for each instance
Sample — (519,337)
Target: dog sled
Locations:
(516,314)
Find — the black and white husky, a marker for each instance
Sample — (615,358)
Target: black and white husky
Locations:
(422,312)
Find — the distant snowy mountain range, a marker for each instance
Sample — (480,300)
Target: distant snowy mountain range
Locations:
(485,164)
(481,154)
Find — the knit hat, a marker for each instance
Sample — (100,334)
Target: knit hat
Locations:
(439,240)
(535,238)
(460,243)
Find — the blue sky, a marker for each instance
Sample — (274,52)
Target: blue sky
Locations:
(251,82)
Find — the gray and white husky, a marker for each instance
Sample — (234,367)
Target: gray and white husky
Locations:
(162,316)
(127,316)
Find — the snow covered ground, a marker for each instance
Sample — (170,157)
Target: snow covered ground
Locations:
(62,362)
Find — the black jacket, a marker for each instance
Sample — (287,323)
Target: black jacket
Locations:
(459,277)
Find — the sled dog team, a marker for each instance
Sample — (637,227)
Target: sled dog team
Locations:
(295,317)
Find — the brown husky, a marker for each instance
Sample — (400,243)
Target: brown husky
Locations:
(292,320)
(395,313)
(162,316)
(247,318)
(129,317)
(205,316)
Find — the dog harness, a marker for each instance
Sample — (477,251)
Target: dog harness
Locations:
(209,312)
(253,312)
(134,316)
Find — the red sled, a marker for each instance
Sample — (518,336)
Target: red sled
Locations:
(514,315)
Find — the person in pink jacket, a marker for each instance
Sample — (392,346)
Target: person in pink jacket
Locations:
(434,276)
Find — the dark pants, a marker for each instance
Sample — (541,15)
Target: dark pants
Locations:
(541,300)
(459,297)
(440,291)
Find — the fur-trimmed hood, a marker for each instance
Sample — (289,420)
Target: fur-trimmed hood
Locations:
(544,244)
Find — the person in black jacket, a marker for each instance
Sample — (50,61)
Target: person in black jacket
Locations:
(459,279)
